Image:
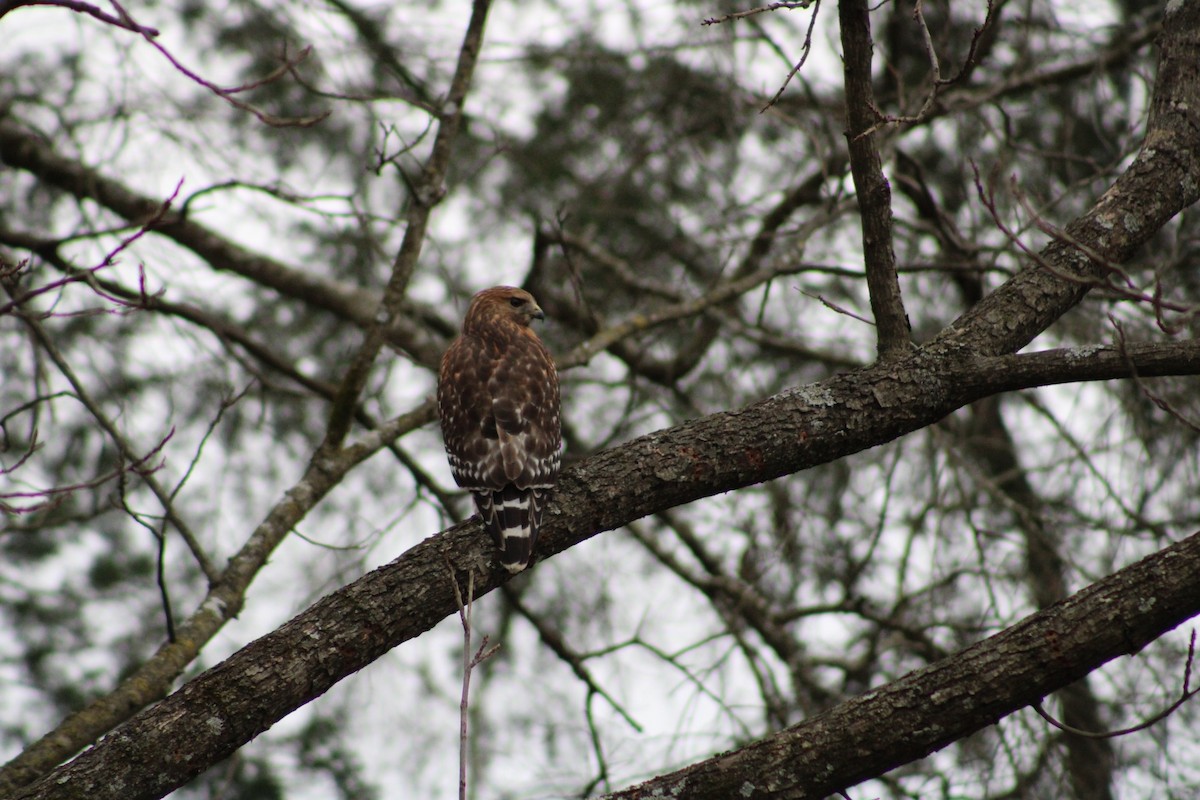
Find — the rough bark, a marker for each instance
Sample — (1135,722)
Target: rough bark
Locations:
(1163,179)
(931,707)
(211,716)
(872,189)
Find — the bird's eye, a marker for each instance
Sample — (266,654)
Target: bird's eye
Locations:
(516,302)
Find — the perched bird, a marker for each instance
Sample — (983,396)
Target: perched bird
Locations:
(498,402)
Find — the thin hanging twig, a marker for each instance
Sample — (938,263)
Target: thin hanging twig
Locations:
(469,663)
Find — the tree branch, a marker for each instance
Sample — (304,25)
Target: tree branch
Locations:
(350,628)
(21,149)
(871,187)
(936,705)
(125,447)
(82,8)
(153,679)
(427,193)
(791,431)
(1161,182)
(409,331)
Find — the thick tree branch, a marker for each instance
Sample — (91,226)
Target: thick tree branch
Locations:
(224,708)
(934,706)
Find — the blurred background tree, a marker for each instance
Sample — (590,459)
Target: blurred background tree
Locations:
(187,279)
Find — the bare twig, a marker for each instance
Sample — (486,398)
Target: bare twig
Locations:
(601,777)
(1141,384)
(82,8)
(987,197)
(228,94)
(110,259)
(936,81)
(638,323)
(575,660)
(160,573)
(153,679)
(1155,300)
(469,662)
(10,271)
(57,494)
(805,49)
(753,11)
(971,61)
(1186,694)
(127,451)
(832,306)
(124,446)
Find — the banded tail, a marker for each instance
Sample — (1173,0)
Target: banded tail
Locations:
(513,517)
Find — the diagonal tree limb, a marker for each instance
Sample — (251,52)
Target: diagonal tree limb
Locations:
(125,447)
(931,707)
(213,715)
(328,466)
(24,150)
(1163,180)
(153,679)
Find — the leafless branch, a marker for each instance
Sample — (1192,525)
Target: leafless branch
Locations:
(753,11)
(971,60)
(425,195)
(936,81)
(469,662)
(83,8)
(110,259)
(573,659)
(1186,694)
(871,188)
(832,306)
(1141,384)
(227,94)
(1128,291)
(638,323)
(124,447)
(1155,300)
(805,49)
(57,494)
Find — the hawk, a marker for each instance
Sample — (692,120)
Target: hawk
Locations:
(498,403)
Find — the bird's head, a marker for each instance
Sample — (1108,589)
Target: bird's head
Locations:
(502,304)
